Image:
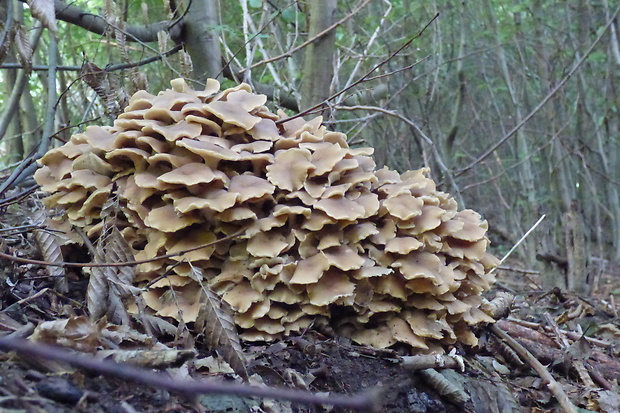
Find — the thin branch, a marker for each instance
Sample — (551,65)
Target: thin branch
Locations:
(514,247)
(109,68)
(367,401)
(28,165)
(290,52)
(371,41)
(97,24)
(361,79)
(543,102)
(9,26)
(50,115)
(18,197)
(116,264)
(552,385)
(242,47)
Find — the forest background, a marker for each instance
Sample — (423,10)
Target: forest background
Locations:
(513,104)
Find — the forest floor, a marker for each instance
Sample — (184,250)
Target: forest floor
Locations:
(576,340)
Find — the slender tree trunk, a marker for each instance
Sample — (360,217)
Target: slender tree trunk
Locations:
(318,64)
(202,40)
(14,133)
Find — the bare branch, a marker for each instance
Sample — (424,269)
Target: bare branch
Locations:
(97,24)
(20,83)
(552,384)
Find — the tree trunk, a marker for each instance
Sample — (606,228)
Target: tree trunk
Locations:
(318,63)
(202,41)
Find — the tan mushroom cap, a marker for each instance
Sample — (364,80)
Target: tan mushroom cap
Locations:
(268,244)
(403,206)
(250,187)
(290,169)
(183,302)
(329,288)
(166,219)
(341,208)
(210,152)
(310,270)
(192,174)
(241,297)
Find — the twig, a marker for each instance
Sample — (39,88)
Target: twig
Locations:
(99,25)
(115,264)
(12,103)
(514,247)
(226,66)
(19,197)
(361,79)
(28,166)
(290,52)
(110,68)
(521,270)
(9,25)
(552,384)
(427,361)
(570,334)
(188,388)
(565,345)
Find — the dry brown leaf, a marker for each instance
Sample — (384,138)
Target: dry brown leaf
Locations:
(121,41)
(162,41)
(78,333)
(158,325)
(43,11)
(24,49)
(154,359)
(95,77)
(213,365)
(444,387)
(608,401)
(187,66)
(6,42)
(123,334)
(49,247)
(215,321)
(110,288)
(139,79)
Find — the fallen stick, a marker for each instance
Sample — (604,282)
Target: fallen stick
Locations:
(552,384)
(570,334)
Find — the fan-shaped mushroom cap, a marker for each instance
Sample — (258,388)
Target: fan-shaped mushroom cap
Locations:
(290,169)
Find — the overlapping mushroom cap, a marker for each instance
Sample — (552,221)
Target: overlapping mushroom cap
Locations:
(385,257)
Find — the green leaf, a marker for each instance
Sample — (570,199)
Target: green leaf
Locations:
(256,4)
(289,15)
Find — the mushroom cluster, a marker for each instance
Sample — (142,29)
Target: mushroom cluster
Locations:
(310,228)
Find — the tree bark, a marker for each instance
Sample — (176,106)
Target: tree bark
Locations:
(318,64)
(202,40)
